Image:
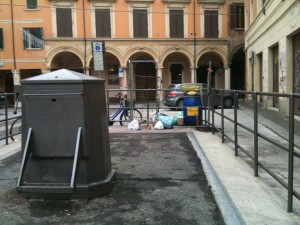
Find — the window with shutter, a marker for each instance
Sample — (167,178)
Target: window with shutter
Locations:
(140,23)
(236,16)
(33,38)
(103,26)
(176,23)
(64,22)
(211,24)
(31,4)
(1,39)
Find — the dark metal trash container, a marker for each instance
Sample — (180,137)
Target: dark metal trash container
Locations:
(65,138)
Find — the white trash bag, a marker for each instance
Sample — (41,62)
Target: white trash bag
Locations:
(134,125)
(158,126)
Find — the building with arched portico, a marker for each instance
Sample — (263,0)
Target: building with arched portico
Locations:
(173,40)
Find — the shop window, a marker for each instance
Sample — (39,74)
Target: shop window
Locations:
(1,39)
(31,4)
(176,23)
(140,23)
(64,22)
(33,38)
(211,23)
(103,26)
(113,76)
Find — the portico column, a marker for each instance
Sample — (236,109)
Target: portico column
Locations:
(159,81)
(16,76)
(87,71)
(227,77)
(193,75)
(46,70)
(124,79)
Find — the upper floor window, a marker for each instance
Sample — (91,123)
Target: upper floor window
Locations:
(237,16)
(211,24)
(103,25)
(176,24)
(33,38)
(1,39)
(140,23)
(64,22)
(31,4)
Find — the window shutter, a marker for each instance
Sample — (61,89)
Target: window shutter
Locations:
(215,27)
(1,39)
(232,12)
(176,23)
(103,27)
(140,23)
(211,24)
(64,22)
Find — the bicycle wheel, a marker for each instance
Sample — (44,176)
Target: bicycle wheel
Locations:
(125,116)
(15,129)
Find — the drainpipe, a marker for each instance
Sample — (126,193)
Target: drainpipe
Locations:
(84,37)
(13,34)
(195,69)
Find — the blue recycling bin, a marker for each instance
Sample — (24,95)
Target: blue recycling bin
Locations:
(192,109)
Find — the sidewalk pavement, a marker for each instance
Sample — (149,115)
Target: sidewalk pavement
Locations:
(237,192)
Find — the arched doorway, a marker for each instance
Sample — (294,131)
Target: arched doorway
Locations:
(144,73)
(176,69)
(217,66)
(176,73)
(237,69)
(110,72)
(67,60)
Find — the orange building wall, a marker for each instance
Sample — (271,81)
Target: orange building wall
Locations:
(158,20)
(122,19)
(23,18)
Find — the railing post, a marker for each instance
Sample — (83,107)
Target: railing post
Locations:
(213,112)
(235,123)
(147,104)
(6,120)
(254,97)
(291,153)
(107,102)
(222,117)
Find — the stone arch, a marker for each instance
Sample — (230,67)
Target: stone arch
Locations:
(167,52)
(140,50)
(110,50)
(235,50)
(217,58)
(177,64)
(60,49)
(216,50)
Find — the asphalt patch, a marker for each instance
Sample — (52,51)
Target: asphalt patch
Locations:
(160,180)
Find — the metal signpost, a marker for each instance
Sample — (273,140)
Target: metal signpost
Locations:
(98,51)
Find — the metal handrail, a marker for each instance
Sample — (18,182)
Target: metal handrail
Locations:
(291,151)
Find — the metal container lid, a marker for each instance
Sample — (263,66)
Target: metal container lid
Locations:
(62,75)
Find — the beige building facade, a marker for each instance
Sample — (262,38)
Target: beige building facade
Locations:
(272,44)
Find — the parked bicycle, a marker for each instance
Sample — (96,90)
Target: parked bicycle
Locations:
(16,126)
(124,112)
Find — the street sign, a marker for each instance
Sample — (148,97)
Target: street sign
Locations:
(121,72)
(98,50)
